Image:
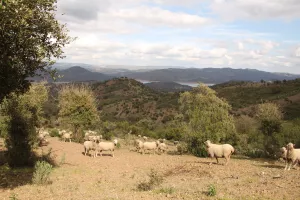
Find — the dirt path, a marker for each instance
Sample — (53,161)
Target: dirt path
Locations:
(185,177)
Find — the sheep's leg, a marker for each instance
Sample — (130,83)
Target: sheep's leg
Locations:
(286,164)
(112,153)
(289,165)
(226,160)
(217,160)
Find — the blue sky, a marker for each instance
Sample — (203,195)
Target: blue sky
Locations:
(258,34)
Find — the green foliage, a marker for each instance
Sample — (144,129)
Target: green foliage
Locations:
(78,109)
(155,180)
(54,133)
(21,133)
(243,94)
(13,196)
(212,191)
(30,38)
(42,173)
(21,115)
(270,119)
(207,118)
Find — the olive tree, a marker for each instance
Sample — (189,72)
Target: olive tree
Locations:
(30,38)
(207,117)
(22,113)
(77,108)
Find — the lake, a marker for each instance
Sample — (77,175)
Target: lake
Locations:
(192,84)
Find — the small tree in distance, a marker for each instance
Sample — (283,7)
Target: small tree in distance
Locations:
(207,117)
(77,108)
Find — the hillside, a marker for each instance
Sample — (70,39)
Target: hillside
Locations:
(209,75)
(75,74)
(168,86)
(243,95)
(131,100)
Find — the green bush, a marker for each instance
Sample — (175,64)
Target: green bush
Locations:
(54,133)
(212,191)
(21,134)
(42,173)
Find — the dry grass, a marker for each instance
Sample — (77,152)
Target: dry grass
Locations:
(185,177)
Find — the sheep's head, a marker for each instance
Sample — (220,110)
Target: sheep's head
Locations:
(115,142)
(290,146)
(282,149)
(207,143)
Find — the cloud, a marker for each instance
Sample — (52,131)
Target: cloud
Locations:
(256,9)
(155,16)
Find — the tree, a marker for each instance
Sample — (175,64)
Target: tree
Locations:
(30,37)
(77,108)
(270,119)
(207,117)
(22,113)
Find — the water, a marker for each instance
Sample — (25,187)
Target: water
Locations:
(192,84)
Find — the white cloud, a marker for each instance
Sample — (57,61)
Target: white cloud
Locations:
(257,9)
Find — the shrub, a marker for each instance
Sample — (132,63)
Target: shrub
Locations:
(154,180)
(42,172)
(54,133)
(212,191)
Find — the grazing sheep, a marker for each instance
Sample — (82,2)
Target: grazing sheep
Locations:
(162,147)
(292,156)
(150,146)
(107,146)
(67,136)
(176,142)
(145,138)
(138,144)
(139,136)
(283,152)
(219,151)
(90,145)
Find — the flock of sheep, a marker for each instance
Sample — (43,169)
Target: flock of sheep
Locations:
(93,142)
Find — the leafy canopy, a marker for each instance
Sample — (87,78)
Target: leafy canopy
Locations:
(30,38)
(77,106)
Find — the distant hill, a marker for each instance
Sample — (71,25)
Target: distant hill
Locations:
(128,99)
(168,86)
(75,74)
(243,95)
(209,75)
(78,74)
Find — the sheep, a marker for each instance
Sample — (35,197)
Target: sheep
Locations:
(150,146)
(162,147)
(107,146)
(90,145)
(138,144)
(176,142)
(219,150)
(139,136)
(283,152)
(67,136)
(145,138)
(292,156)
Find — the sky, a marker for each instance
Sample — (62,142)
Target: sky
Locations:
(256,34)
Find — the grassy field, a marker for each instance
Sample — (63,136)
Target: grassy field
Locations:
(183,177)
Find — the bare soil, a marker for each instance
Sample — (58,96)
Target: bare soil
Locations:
(185,177)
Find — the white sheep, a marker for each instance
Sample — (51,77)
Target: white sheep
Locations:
(219,151)
(90,145)
(292,156)
(150,146)
(107,146)
(138,144)
(145,138)
(67,136)
(162,147)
